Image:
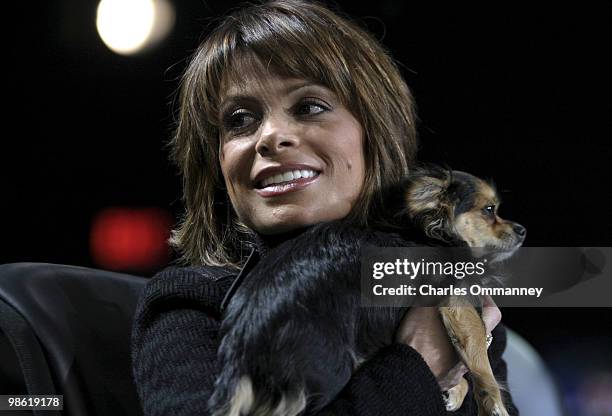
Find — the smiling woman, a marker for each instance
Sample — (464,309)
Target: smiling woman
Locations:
(291,155)
(291,115)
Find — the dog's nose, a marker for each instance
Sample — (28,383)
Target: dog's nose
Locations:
(519,230)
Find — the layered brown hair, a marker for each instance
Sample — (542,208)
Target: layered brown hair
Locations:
(286,38)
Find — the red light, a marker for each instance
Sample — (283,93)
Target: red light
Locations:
(133,239)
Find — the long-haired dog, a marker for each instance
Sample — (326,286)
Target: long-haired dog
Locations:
(459,208)
(294,330)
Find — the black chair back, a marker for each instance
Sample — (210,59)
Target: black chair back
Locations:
(70,330)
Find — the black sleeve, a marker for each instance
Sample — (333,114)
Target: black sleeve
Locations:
(174,342)
(175,363)
(396,381)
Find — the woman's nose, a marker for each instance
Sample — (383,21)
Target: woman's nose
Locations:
(276,136)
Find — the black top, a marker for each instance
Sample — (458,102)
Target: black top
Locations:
(175,340)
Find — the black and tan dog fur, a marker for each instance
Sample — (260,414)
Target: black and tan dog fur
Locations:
(450,206)
(294,331)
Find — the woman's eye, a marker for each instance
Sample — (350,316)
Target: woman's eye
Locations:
(239,119)
(307,108)
(489,210)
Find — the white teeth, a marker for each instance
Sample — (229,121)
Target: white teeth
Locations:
(288,176)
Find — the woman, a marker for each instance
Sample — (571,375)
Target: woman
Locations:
(290,115)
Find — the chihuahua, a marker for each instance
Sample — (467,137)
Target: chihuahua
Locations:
(461,209)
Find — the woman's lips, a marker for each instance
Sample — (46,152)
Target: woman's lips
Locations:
(286,187)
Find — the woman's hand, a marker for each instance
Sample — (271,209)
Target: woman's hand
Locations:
(422,329)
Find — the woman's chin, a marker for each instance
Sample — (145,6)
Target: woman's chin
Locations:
(270,228)
(287,218)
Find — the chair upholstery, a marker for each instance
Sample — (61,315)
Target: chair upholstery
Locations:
(82,319)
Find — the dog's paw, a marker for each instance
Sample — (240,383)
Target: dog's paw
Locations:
(499,411)
(445,399)
(451,401)
(453,398)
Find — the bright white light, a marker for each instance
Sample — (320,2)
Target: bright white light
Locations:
(129,26)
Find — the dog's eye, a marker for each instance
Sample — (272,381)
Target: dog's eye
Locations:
(489,210)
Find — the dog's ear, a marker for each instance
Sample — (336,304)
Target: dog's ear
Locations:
(427,190)
(427,193)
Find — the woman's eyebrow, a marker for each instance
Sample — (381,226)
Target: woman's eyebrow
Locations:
(240,95)
(241,98)
(299,86)
(246,97)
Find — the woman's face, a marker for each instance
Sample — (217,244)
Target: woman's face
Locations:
(291,154)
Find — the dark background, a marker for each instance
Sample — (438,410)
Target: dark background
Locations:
(513,93)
